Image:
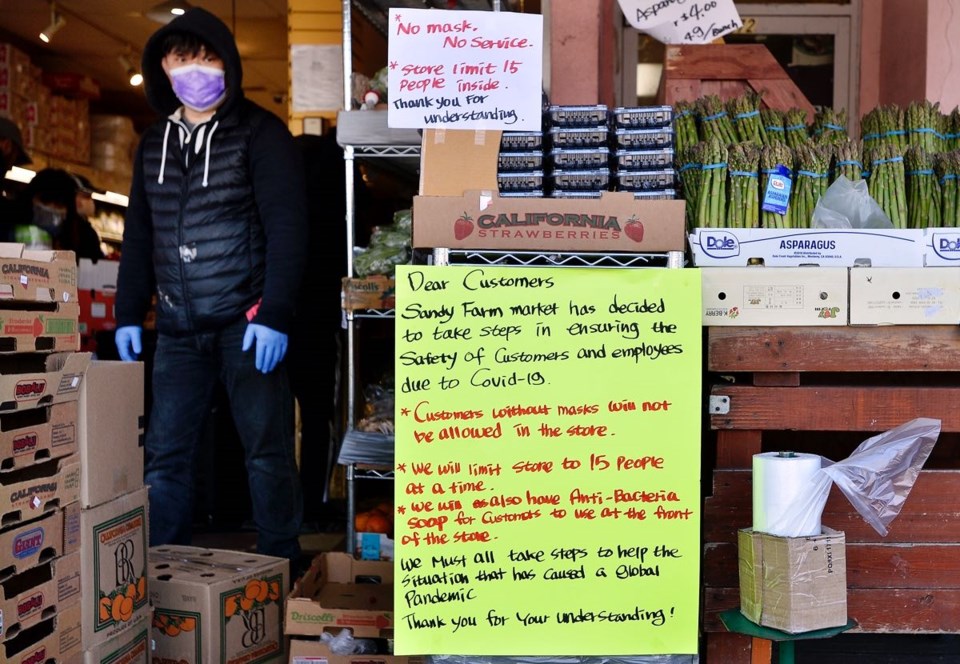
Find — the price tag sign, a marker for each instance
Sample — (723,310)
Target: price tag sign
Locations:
(682,21)
(464,70)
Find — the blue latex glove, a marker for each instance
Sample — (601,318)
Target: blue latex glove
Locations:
(271,346)
(128,340)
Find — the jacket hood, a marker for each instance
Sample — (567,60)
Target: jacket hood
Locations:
(210,29)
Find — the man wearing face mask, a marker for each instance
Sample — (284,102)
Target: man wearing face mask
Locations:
(216,229)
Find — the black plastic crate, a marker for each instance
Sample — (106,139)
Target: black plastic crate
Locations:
(521,181)
(577,116)
(579,137)
(646,180)
(520,161)
(643,160)
(642,117)
(644,139)
(596,179)
(521,141)
(580,159)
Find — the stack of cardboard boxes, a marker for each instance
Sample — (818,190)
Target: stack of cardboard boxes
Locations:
(73,522)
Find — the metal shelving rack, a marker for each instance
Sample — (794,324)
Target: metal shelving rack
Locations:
(370,456)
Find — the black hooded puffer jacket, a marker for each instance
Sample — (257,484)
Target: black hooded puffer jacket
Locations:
(218,212)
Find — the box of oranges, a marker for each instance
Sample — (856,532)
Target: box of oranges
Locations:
(212,605)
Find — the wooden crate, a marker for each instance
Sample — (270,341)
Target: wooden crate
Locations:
(728,70)
(825,390)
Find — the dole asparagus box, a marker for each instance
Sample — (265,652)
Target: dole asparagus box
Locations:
(31,380)
(615,222)
(29,544)
(37,434)
(113,556)
(131,647)
(28,275)
(774,296)
(905,296)
(216,606)
(340,592)
(111,430)
(37,593)
(29,492)
(55,640)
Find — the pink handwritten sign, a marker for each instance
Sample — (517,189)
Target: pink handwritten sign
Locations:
(464,70)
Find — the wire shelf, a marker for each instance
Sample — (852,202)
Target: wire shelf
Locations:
(554,259)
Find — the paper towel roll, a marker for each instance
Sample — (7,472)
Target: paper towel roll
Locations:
(780,482)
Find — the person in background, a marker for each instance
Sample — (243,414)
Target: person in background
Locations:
(81,231)
(12,154)
(216,227)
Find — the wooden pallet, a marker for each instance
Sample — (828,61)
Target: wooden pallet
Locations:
(844,384)
(728,70)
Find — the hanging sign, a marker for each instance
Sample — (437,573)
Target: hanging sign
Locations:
(464,70)
(682,21)
(547,461)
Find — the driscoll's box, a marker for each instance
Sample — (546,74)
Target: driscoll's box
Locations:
(213,606)
(113,555)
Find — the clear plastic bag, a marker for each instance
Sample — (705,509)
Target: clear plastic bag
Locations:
(849,205)
(876,478)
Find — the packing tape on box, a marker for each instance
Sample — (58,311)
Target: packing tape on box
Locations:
(782,480)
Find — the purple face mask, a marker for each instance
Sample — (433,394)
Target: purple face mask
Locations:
(199,88)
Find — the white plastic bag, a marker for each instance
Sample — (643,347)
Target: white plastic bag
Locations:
(849,205)
(876,478)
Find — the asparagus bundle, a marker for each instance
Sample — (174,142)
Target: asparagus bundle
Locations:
(811,181)
(691,178)
(714,120)
(773,125)
(771,156)
(684,126)
(712,201)
(887,182)
(849,160)
(923,189)
(830,126)
(743,204)
(796,127)
(745,110)
(923,125)
(891,126)
(947,165)
(952,134)
(870,128)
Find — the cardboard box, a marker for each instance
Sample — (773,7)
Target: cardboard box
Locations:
(339,591)
(37,276)
(317,652)
(774,296)
(52,329)
(905,296)
(38,593)
(793,247)
(216,606)
(30,544)
(941,247)
(614,222)
(377,292)
(111,430)
(131,647)
(99,276)
(455,160)
(97,311)
(30,380)
(56,639)
(37,434)
(794,584)
(26,493)
(113,555)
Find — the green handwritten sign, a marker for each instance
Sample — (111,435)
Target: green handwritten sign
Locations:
(547,461)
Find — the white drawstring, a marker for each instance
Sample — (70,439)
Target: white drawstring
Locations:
(163,159)
(206,161)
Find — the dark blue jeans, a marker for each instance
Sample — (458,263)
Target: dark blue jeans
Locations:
(185,372)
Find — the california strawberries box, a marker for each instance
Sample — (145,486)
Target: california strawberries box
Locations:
(614,222)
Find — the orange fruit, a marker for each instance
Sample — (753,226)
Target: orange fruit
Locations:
(252,589)
(379,523)
(126,608)
(115,608)
(230,606)
(246,603)
(274,590)
(187,624)
(104,609)
(172,630)
(142,587)
(131,590)
(264,592)
(360,522)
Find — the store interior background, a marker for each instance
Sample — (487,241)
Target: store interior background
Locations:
(854,54)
